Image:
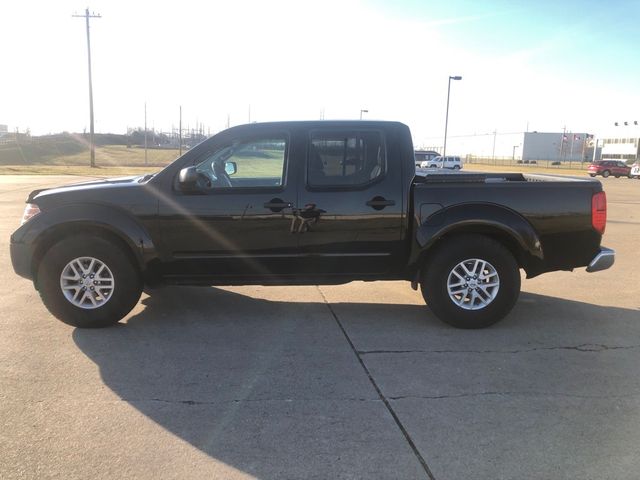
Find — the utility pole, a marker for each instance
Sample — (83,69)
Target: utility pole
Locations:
(573,137)
(145,134)
(92,144)
(493,153)
(180,132)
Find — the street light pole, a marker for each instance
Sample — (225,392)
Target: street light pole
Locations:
(363,111)
(446,122)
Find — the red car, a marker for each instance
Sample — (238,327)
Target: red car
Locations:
(610,167)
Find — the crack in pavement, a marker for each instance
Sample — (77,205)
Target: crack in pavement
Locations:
(384,400)
(246,400)
(585,347)
(524,393)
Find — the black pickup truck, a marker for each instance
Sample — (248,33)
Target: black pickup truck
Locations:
(299,203)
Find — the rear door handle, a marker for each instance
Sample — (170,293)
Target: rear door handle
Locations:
(378,203)
(277,205)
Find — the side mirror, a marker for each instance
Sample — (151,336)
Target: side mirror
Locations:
(188,179)
(231,168)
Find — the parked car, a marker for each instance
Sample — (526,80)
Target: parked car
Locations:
(635,170)
(424,156)
(453,163)
(605,168)
(307,203)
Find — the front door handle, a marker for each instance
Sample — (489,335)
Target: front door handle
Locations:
(277,205)
(378,203)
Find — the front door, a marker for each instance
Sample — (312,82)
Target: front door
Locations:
(238,221)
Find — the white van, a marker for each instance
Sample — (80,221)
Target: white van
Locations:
(422,156)
(454,163)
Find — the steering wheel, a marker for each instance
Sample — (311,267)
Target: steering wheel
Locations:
(205,181)
(223,177)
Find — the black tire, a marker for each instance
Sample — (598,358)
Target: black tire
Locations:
(127,283)
(453,252)
(592,175)
(606,173)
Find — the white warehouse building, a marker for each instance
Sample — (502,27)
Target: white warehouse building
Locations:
(528,146)
(557,146)
(621,142)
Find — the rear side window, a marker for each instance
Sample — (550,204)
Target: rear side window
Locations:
(339,159)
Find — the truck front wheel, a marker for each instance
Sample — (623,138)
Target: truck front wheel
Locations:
(88,281)
(471,281)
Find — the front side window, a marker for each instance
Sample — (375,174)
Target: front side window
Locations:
(338,159)
(245,163)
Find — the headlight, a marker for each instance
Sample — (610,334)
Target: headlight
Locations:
(30,211)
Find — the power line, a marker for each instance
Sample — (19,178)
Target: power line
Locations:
(87,16)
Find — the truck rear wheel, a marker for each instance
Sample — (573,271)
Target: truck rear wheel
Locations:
(471,281)
(88,282)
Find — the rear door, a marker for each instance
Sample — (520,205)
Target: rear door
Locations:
(350,203)
(622,168)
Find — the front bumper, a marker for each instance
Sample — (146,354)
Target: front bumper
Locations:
(21,259)
(603,260)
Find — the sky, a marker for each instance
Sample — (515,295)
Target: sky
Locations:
(542,65)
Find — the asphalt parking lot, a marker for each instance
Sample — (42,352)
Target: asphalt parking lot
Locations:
(353,381)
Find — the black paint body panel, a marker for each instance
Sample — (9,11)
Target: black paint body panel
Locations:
(323,235)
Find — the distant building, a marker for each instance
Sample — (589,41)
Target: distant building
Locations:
(526,146)
(621,142)
(4,129)
(557,146)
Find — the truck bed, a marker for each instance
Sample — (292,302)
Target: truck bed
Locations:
(557,208)
(450,176)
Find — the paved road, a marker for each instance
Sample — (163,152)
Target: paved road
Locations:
(353,381)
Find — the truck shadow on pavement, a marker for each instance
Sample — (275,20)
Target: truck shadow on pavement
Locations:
(273,388)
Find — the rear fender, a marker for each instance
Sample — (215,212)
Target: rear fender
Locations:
(479,218)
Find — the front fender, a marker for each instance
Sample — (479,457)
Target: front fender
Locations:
(113,219)
(480,217)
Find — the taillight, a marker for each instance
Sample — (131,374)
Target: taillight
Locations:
(599,212)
